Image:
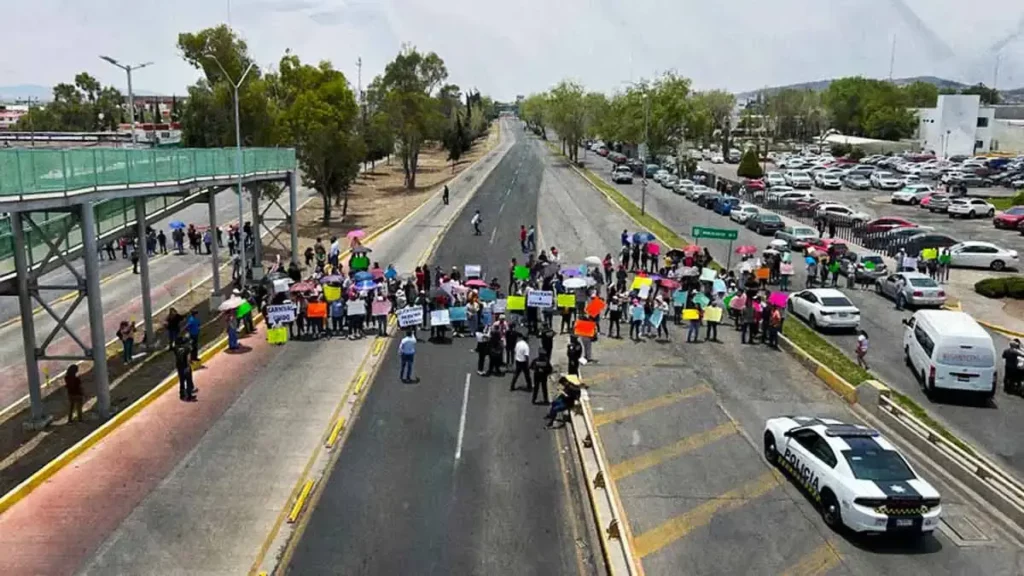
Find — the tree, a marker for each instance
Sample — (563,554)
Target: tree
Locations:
(534,111)
(921,94)
(408,83)
(175,109)
(568,116)
(319,116)
(872,108)
(718,106)
(84,106)
(989,96)
(457,140)
(749,166)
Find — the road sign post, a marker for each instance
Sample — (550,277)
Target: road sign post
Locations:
(699,232)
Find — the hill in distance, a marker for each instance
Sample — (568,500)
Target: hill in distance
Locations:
(819,85)
(22,92)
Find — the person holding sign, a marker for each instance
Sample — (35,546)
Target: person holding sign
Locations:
(659,317)
(636,320)
(615,304)
(712,317)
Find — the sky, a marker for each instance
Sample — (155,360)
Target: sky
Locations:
(524,46)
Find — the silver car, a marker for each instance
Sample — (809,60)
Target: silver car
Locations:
(917,290)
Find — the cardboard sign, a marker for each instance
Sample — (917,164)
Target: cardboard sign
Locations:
(332,293)
(521,272)
(637,315)
(280,314)
(691,314)
(762,273)
(459,314)
(656,317)
(566,300)
(679,298)
(473,271)
(786,269)
(316,310)
(701,300)
(410,316)
(713,314)
(540,299)
(487,295)
(644,292)
(930,253)
(834,267)
(360,263)
(639,282)
(356,307)
(708,275)
(779,299)
(595,307)
(244,309)
(718,287)
(499,306)
(278,335)
(440,318)
(585,328)
(516,303)
(381,307)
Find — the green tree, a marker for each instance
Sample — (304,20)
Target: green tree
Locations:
(718,106)
(749,166)
(83,106)
(921,94)
(989,96)
(872,108)
(568,116)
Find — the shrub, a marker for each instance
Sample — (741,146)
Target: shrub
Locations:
(991,287)
(1018,199)
(1015,288)
(749,166)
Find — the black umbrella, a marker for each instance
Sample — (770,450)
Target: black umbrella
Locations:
(675,254)
(361,250)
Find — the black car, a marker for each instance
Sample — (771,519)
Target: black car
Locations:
(765,223)
(971,181)
(708,200)
(917,243)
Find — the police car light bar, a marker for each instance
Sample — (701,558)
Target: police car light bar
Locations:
(850,431)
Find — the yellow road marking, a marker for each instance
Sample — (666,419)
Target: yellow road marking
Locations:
(610,374)
(378,346)
(655,457)
(300,502)
(648,405)
(338,427)
(820,561)
(361,382)
(678,527)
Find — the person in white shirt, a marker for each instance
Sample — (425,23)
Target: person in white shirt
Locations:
(522,359)
(476,223)
(406,354)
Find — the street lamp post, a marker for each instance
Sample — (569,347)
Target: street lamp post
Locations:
(131,95)
(643,160)
(238,159)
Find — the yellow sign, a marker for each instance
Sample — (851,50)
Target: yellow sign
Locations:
(691,314)
(277,335)
(566,301)
(516,303)
(713,314)
(930,253)
(332,293)
(639,282)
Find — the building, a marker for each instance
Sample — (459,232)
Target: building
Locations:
(10,114)
(958,126)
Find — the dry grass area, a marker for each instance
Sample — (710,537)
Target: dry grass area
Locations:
(380,196)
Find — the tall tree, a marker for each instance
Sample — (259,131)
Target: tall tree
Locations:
(568,116)
(82,106)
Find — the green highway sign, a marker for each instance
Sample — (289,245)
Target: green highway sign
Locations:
(714,233)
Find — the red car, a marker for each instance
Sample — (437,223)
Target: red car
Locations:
(1009,219)
(884,224)
(754,184)
(927,200)
(823,244)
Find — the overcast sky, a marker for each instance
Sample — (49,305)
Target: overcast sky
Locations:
(522,46)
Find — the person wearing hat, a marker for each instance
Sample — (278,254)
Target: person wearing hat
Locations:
(572,389)
(1012,357)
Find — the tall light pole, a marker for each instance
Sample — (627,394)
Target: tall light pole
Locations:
(131,95)
(238,159)
(643,147)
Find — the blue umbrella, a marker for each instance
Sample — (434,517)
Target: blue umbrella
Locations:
(570,272)
(641,237)
(176,224)
(366,285)
(361,276)
(809,260)
(332,279)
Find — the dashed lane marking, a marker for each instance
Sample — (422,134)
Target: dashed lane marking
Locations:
(648,405)
(654,457)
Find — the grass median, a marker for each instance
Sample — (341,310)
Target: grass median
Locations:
(802,335)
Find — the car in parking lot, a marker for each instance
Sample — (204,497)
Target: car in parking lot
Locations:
(857,478)
(799,179)
(970,208)
(828,181)
(743,212)
(1009,219)
(931,239)
(857,181)
(887,223)
(725,204)
(936,202)
(683,186)
(895,237)
(789,197)
(824,308)
(885,181)
(622,175)
(841,213)
(834,246)
(912,194)
(918,290)
(765,223)
(773,179)
(975,254)
(971,181)
(797,237)
(864,267)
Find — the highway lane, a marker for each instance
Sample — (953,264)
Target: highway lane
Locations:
(399,501)
(993,428)
(777,533)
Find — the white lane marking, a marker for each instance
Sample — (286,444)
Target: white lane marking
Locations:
(501,208)
(462,419)
(493,232)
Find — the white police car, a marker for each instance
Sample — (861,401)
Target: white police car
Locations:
(857,477)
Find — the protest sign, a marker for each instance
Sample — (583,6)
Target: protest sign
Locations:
(356,307)
(691,314)
(679,298)
(472,271)
(278,335)
(316,310)
(540,299)
(499,306)
(244,309)
(521,272)
(458,314)
(595,307)
(786,269)
(713,314)
(359,263)
(280,314)
(516,303)
(410,316)
(488,295)
(656,317)
(718,287)
(638,313)
(930,253)
(440,318)
(381,308)
(566,300)
(332,293)
(701,300)
(779,299)
(486,317)
(585,328)
(644,292)
(869,265)
(833,267)
(707,275)
(762,273)
(639,282)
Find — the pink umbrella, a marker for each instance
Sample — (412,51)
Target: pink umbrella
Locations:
(738,302)
(476,283)
(654,248)
(692,249)
(304,286)
(355,234)
(779,299)
(747,250)
(667,283)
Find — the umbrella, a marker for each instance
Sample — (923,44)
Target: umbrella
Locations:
(365,285)
(476,283)
(361,250)
(361,276)
(304,286)
(692,249)
(574,283)
(593,260)
(668,283)
(771,251)
(332,279)
(809,260)
(778,244)
(747,249)
(355,234)
(676,254)
(689,271)
(390,273)
(230,304)
(641,237)
(570,272)
(176,224)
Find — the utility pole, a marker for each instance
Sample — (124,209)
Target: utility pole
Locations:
(31,123)
(643,160)
(131,95)
(359,77)
(892,57)
(995,76)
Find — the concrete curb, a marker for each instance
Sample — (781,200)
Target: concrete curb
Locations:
(835,382)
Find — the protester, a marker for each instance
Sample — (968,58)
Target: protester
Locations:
(186,387)
(571,392)
(76,394)
(192,326)
(1013,356)
(521,356)
(126,334)
(406,356)
(862,350)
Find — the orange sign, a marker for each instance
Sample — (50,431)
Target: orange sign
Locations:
(586,328)
(762,273)
(316,310)
(594,307)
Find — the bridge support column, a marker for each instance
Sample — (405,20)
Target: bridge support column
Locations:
(257,235)
(97,349)
(293,210)
(211,202)
(143,251)
(39,418)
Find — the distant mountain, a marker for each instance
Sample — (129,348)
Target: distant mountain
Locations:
(24,92)
(819,85)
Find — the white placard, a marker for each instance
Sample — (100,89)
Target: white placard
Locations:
(499,306)
(540,299)
(439,318)
(280,314)
(356,307)
(473,271)
(410,316)
(644,291)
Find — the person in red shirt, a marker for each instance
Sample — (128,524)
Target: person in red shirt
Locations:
(522,237)
(421,283)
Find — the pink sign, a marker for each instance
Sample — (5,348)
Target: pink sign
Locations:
(779,299)
(381,308)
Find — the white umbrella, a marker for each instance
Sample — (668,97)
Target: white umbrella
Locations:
(230,304)
(779,244)
(593,260)
(771,251)
(574,283)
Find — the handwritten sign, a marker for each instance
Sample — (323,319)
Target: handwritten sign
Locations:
(278,335)
(381,307)
(786,269)
(762,273)
(458,314)
(473,271)
(440,318)
(356,307)
(280,314)
(718,287)
(410,316)
(499,306)
(488,295)
(585,328)
(332,293)
(701,300)
(656,317)
(679,298)
(707,275)
(930,253)
(540,299)
(639,282)
(516,303)
(637,315)
(566,300)
(521,272)
(595,307)
(644,292)
(713,314)
(317,310)
(691,314)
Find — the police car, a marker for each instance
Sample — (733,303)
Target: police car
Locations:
(857,477)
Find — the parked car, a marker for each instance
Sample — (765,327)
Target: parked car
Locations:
(660,175)
(970,208)
(743,212)
(864,267)
(683,186)
(774,179)
(798,179)
(916,243)
(708,200)
(824,308)
(947,349)
(725,204)
(841,213)
(938,202)
(669,181)
(974,254)
(790,197)
(887,223)
(912,194)
(857,181)
(696,191)
(895,237)
(797,236)
(1010,218)
(828,181)
(765,223)
(971,181)
(717,159)
(622,175)
(885,181)
(919,290)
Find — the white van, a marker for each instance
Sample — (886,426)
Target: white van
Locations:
(950,351)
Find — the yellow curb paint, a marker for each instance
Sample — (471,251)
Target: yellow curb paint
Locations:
(818,562)
(378,346)
(361,382)
(333,438)
(300,502)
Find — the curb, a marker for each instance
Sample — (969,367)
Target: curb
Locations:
(834,381)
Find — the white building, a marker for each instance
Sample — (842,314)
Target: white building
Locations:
(1008,136)
(958,126)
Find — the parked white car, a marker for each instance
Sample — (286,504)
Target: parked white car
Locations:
(912,194)
(743,212)
(841,212)
(970,208)
(975,254)
(886,181)
(660,175)
(798,179)
(828,181)
(683,186)
(717,159)
(773,179)
(669,181)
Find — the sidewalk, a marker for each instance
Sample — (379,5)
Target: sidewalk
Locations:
(197,488)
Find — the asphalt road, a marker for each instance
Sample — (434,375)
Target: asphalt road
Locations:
(398,501)
(992,427)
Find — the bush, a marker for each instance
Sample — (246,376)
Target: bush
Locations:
(749,166)
(1018,199)
(1015,288)
(991,287)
